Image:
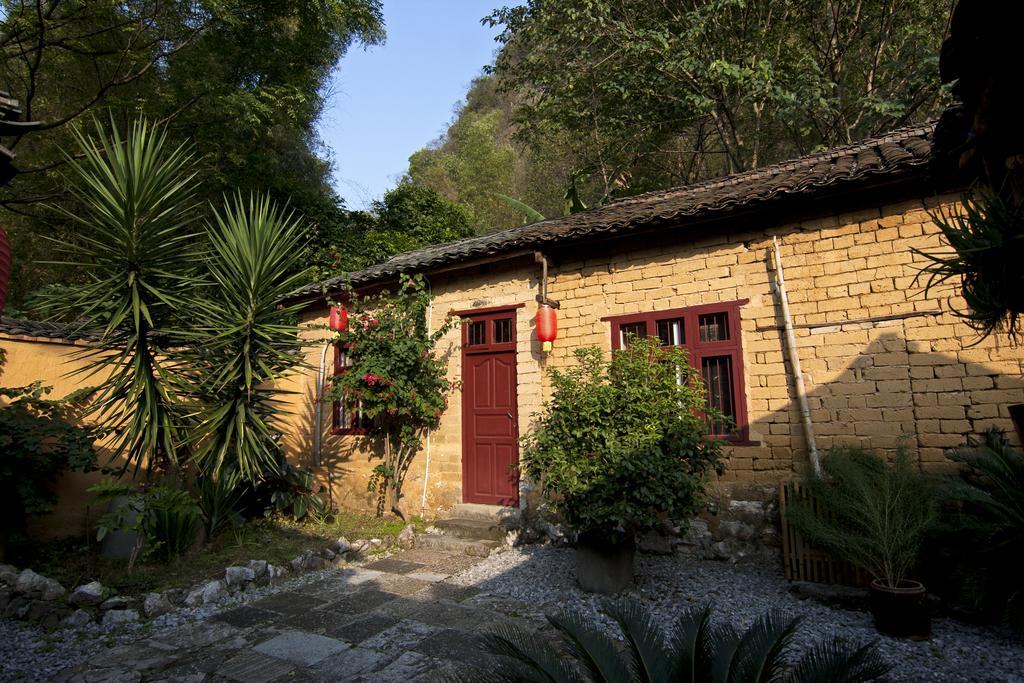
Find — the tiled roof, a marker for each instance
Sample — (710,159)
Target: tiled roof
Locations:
(902,153)
(18,327)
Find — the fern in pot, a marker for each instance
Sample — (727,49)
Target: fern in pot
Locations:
(622,448)
(875,515)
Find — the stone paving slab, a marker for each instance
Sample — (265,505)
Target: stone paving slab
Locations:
(394,620)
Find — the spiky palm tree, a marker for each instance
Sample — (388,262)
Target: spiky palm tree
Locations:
(136,244)
(694,650)
(243,340)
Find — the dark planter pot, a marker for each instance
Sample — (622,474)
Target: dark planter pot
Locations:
(901,612)
(604,564)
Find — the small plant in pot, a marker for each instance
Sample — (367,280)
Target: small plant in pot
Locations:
(874,514)
(622,448)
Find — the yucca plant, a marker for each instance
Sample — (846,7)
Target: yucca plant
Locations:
(989,523)
(693,650)
(220,500)
(136,243)
(243,339)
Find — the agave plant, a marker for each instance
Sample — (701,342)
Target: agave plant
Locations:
(243,339)
(137,247)
(694,650)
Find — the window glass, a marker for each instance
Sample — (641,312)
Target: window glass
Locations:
(478,333)
(718,381)
(503,331)
(714,327)
(628,330)
(670,332)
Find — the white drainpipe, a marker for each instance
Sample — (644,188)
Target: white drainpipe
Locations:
(794,359)
(318,398)
(426,466)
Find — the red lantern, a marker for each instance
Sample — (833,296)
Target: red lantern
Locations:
(547,326)
(339,318)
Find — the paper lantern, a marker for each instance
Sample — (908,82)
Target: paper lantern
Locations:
(339,318)
(547,326)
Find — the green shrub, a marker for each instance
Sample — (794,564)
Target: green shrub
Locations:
(167,519)
(696,650)
(982,537)
(623,446)
(872,513)
(40,439)
(292,492)
(220,501)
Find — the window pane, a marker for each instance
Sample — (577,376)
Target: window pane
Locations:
(344,360)
(714,327)
(631,330)
(717,373)
(670,331)
(503,331)
(478,333)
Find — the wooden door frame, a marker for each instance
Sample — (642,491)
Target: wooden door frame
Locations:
(488,348)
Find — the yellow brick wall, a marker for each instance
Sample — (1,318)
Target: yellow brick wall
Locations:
(922,380)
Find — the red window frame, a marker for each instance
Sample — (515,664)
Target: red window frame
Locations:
(698,350)
(337,428)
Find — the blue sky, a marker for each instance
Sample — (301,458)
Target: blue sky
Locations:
(388,101)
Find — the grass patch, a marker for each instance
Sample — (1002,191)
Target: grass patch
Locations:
(73,562)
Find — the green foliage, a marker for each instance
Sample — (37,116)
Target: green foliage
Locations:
(986,234)
(137,206)
(623,446)
(40,439)
(408,217)
(983,534)
(166,518)
(220,502)
(394,377)
(694,649)
(247,82)
(657,94)
(242,339)
(292,493)
(871,513)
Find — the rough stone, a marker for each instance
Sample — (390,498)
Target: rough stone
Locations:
(376,542)
(206,594)
(117,617)
(88,595)
(656,544)
(407,537)
(237,577)
(30,584)
(275,572)
(328,554)
(176,596)
(342,546)
(116,602)
(259,568)
(5,597)
(156,604)
(78,619)
(8,574)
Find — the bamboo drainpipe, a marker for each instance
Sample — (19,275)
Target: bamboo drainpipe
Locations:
(794,359)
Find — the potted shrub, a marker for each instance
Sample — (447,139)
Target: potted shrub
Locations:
(622,448)
(875,515)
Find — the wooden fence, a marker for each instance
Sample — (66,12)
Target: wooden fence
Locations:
(802,561)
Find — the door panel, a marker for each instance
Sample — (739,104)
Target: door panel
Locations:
(490,435)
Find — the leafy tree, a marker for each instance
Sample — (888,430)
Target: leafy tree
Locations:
(695,650)
(408,217)
(394,379)
(245,80)
(623,445)
(660,92)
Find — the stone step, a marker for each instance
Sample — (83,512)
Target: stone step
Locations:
(474,529)
(453,544)
(508,516)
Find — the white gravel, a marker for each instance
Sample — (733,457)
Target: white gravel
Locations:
(956,652)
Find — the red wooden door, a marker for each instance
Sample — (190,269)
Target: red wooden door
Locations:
(490,431)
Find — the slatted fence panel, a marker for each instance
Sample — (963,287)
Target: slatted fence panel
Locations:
(802,561)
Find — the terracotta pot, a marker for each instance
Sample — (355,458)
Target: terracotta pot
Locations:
(604,564)
(902,611)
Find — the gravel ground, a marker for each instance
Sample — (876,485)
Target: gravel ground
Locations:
(956,651)
(29,653)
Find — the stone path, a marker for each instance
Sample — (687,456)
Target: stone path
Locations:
(396,619)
